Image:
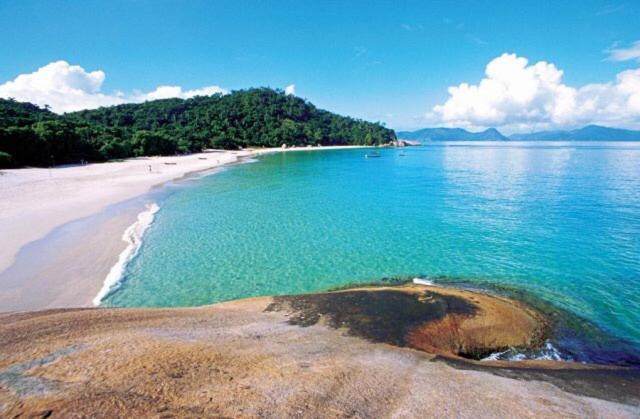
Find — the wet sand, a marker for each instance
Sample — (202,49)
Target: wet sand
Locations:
(336,355)
(62,228)
(65,268)
(34,201)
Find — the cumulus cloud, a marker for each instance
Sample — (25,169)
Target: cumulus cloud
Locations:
(625,54)
(290,89)
(166,92)
(62,86)
(518,96)
(65,88)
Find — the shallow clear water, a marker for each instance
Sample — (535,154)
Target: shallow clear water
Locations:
(561,220)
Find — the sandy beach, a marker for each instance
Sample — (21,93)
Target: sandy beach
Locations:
(34,202)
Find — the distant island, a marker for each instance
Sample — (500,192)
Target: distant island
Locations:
(261,117)
(588,133)
(447,134)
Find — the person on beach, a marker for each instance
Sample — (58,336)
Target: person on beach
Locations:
(149,168)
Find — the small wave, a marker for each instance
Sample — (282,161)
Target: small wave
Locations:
(423,281)
(133,236)
(547,353)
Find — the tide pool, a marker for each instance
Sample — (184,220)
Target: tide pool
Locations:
(559,220)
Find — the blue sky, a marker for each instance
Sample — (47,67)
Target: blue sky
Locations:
(388,61)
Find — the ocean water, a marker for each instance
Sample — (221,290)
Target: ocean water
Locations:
(558,220)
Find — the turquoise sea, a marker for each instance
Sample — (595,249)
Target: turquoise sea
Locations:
(558,220)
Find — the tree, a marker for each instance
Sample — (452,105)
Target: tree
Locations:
(245,118)
(5,160)
(149,143)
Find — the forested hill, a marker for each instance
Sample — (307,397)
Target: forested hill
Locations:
(588,133)
(451,134)
(31,136)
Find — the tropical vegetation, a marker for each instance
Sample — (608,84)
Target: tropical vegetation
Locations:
(261,117)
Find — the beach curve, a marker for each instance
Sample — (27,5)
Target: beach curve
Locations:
(34,202)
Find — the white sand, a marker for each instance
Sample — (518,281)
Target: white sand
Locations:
(33,202)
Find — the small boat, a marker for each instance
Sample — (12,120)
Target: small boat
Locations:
(372,155)
(402,154)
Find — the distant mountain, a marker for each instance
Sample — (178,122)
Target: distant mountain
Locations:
(588,133)
(451,134)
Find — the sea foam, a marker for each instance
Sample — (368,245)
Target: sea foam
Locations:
(133,236)
(423,281)
(546,353)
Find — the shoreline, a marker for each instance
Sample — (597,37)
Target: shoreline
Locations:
(73,192)
(77,272)
(133,237)
(37,204)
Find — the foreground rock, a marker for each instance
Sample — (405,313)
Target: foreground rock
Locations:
(347,353)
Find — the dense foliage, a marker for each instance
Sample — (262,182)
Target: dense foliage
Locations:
(31,136)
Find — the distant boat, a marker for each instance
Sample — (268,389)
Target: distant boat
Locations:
(403,154)
(371,155)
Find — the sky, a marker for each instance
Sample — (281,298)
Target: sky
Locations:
(518,66)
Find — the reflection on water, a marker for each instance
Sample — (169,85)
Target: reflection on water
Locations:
(559,219)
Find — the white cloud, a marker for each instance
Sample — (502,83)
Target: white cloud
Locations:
(62,86)
(290,89)
(166,92)
(517,96)
(625,54)
(65,88)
